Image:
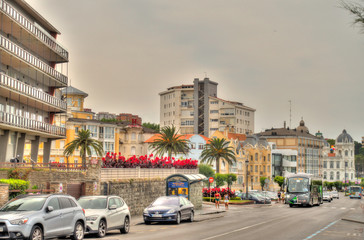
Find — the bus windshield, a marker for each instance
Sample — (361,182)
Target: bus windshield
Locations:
(355,189)
(298,184)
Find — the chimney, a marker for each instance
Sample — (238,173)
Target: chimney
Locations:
(284,124)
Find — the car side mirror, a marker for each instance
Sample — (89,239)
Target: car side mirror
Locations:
(50,209)
(181,205)
(112,207)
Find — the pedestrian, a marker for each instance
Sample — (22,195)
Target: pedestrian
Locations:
(217,200)
(282,196)
(279,196)
(226,201)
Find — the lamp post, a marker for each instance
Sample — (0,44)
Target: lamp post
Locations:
(246,177)
(346,163)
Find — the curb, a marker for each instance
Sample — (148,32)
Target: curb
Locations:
(352,220)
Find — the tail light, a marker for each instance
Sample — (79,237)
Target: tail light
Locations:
(83,210)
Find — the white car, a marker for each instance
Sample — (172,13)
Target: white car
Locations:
(335,194)
(104,213)
(326,196)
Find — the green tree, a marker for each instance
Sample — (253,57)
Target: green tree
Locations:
(206,170)
(153,126)
(279,180)
(357,10)
(230,179)
(85,144)
(262,182)
(331,141)
(170,142)
(357,147)
(220,179)
(338,185)
(218,149)
(359,162)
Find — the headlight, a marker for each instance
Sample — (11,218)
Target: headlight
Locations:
(288,196)
(92,218)
(172,211)
(145,211)
(20,221)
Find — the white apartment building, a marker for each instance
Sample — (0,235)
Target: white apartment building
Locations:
(196,109)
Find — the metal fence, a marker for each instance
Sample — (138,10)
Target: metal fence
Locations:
(109,174)
(51,166)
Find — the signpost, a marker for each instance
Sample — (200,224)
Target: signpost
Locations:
(211,180)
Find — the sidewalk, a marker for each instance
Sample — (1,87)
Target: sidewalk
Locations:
(357,217)
(206,213)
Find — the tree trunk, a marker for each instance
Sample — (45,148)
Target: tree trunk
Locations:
(218,165)
(170,154)
(84,161)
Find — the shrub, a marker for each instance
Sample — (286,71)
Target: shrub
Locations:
(113,160)
(17,173)
(16,184)
(235,198)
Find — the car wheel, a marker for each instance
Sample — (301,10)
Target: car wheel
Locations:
(36,233)
(102,229)
(79,231)
(147,222)
(126,227)
(178,218)
(192,216)
(290,205)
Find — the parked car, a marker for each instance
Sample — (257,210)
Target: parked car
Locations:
(271,195)
(254,196)
(169,209)
(326,196)
(42,216)
(335,194)
(104,213)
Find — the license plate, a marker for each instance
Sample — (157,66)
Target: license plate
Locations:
(1,229)
(157,215)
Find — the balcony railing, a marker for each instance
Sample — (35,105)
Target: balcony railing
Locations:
(22,122)
(30,91)
(39,33)
(30,59)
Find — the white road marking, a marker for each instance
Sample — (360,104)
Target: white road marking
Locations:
(244,228)
(343,208)
(352,208)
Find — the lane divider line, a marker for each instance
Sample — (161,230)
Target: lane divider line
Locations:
(322,229)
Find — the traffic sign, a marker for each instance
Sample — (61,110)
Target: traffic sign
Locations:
(211,179)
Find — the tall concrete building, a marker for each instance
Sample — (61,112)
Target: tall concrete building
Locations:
(196,109)
(31,72)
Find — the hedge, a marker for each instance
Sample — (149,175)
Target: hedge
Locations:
(16,184)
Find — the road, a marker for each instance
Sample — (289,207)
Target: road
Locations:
(277,221)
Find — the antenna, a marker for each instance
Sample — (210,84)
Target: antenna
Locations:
(290,113)
(205,74)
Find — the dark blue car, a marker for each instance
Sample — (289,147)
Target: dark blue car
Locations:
(169,209)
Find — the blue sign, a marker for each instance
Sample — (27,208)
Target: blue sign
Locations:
(178,184)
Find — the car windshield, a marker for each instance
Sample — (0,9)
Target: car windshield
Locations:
(298,184)
(326,194)
(92,203)
(166,202)
(24,204)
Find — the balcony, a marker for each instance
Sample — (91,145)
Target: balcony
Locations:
(30,60)
(54,104)
(32,125)
(57,53)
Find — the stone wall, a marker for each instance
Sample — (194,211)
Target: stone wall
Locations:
(196,194)
(137,194)
(4,194)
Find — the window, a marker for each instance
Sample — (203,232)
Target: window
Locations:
(112,202)
(337,164)
(325,175)
(256,168)
(338,175)
(214,120)
(331,175)
(109,132)
(331,164)
(325,164)
(268,158)
(61,160)
(108,147)
(251,168)
(133,151)
(264,158)
(93,130)
(346,153)
(61,144)
(119,202)
(214,111)
(352,176)
(193,145)
(133,136)
(256,157)
(76,129)
(54,203)
(65,202)
(200,146)
(268,168)
(214,102)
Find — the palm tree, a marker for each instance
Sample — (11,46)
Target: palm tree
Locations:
(170,142)
(85,143)
(218,149)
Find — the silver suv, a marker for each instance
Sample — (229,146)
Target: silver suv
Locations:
(37,217)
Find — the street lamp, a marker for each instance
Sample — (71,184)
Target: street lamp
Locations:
(346,163)
(246,176)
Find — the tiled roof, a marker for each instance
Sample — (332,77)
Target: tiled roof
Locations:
(239,136)
(275,132)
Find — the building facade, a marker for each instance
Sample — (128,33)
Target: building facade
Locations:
(284,161)
(196,109)
(31,74)
(308,146)
(339,164)
(130,118)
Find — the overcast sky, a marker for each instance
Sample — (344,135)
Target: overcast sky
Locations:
(262,53)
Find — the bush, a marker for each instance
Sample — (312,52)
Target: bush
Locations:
(113,160)
(208,199)
(17,173)
(235,198)
(16,184)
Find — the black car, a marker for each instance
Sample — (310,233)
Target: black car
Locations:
(169,209)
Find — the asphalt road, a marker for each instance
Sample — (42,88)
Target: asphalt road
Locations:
(277,221)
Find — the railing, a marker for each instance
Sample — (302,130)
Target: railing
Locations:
(28,90)
(109,174)
(19,121)
(39,33)
(30,59)
(51,166)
